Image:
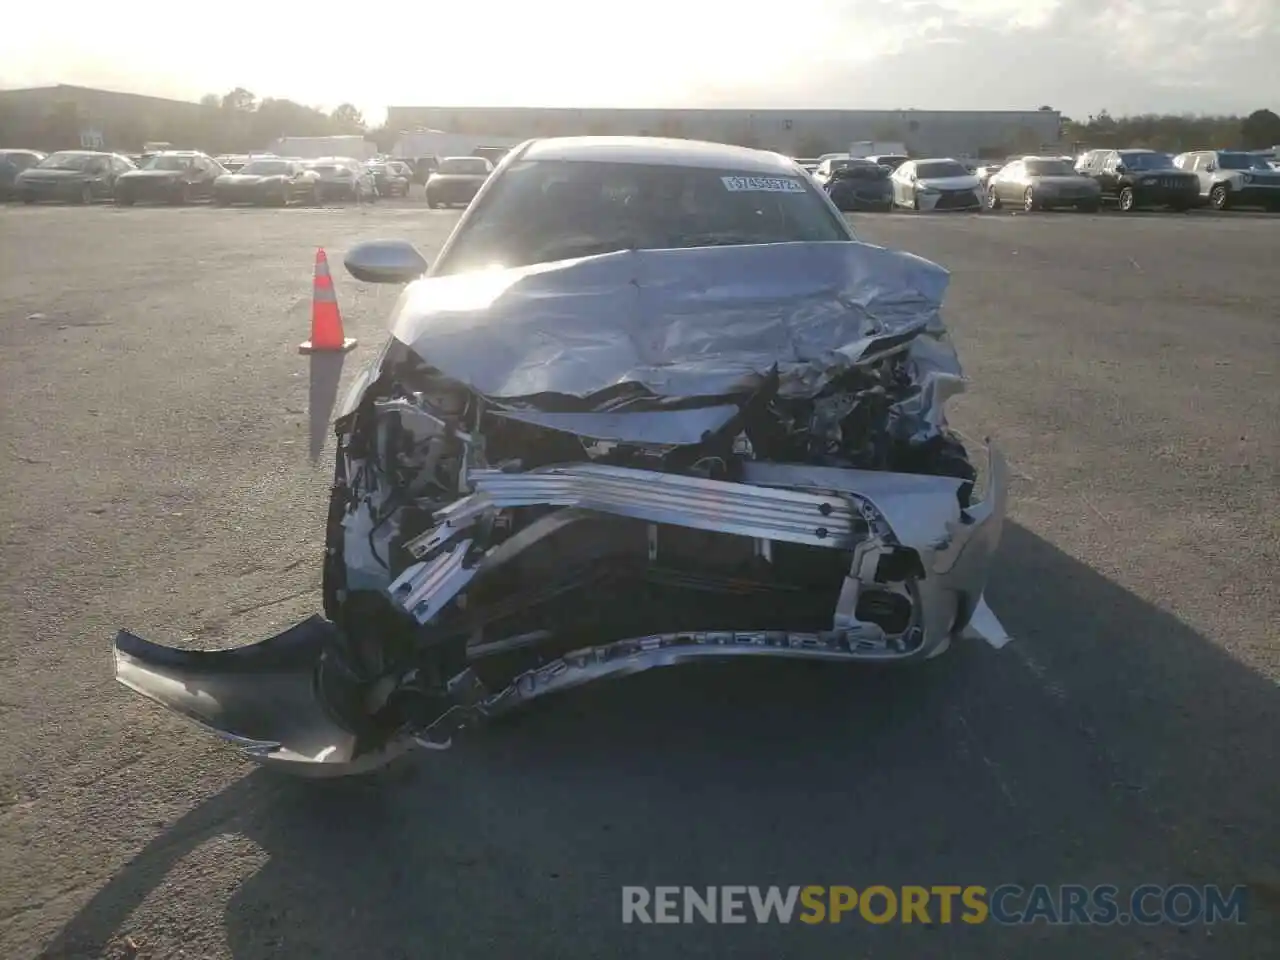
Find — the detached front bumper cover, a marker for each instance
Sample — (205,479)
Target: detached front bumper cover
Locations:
(267,698)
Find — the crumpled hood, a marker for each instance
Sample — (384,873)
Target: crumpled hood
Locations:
(709,321)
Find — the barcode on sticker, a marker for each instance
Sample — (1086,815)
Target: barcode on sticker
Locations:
(765,184)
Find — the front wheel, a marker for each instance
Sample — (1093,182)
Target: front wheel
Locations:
(1128,200)
(1029,201)
(1220,197)
(993,202)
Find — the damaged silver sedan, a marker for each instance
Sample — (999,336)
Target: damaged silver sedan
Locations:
(653,403)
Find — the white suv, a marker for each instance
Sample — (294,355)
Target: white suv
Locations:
(1232,178)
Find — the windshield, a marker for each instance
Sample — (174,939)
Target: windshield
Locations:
(861,171)
(266,168)
(545,210)
(1241,161)
(1050,168)
(1146,161)
(168,163)
(940,168)
(468,165)
(67,161)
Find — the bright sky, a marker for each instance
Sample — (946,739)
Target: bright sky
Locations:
(1078,56)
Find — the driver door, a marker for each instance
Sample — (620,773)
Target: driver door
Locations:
(1007,182)
(904,184)
(1109,170)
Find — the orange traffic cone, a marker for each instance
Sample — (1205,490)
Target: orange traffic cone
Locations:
(326,320)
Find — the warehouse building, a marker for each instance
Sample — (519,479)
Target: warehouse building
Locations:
(969,133)
(62,117)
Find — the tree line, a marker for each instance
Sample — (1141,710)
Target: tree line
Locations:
(235,122)
(239,121)
(1173,133)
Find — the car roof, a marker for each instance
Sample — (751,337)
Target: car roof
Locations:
(920,160)
(658,151)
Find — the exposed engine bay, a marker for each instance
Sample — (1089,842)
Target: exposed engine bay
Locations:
(508,519)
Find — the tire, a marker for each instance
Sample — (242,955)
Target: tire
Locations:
(993,202)
(184,196)
(1220,197)
(1128,200)
(1029,201)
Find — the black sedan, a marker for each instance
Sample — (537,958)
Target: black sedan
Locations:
(457,181)
(859,185)
(77,176)
(267,182)
(391,177)
(12,163)
(175,176)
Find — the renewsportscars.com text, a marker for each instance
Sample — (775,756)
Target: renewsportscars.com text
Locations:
(1066,904)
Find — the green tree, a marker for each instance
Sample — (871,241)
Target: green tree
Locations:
(239,100)
(347,119)
(1260,129)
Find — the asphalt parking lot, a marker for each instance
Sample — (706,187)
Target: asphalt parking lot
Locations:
(159,474)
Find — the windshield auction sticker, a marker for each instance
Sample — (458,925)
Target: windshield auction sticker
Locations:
(762,184)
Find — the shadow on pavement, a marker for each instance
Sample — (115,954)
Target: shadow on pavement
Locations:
(325,375)
(1097,753)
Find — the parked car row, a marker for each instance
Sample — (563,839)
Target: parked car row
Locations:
(189,176)
(1127,180)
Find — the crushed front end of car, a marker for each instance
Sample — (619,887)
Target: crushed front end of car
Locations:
(578,470)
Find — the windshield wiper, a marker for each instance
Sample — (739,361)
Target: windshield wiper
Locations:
(571,250)
(718,240)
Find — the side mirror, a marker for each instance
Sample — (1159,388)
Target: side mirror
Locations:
(385,261)
(1211,167)
(1120,168)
